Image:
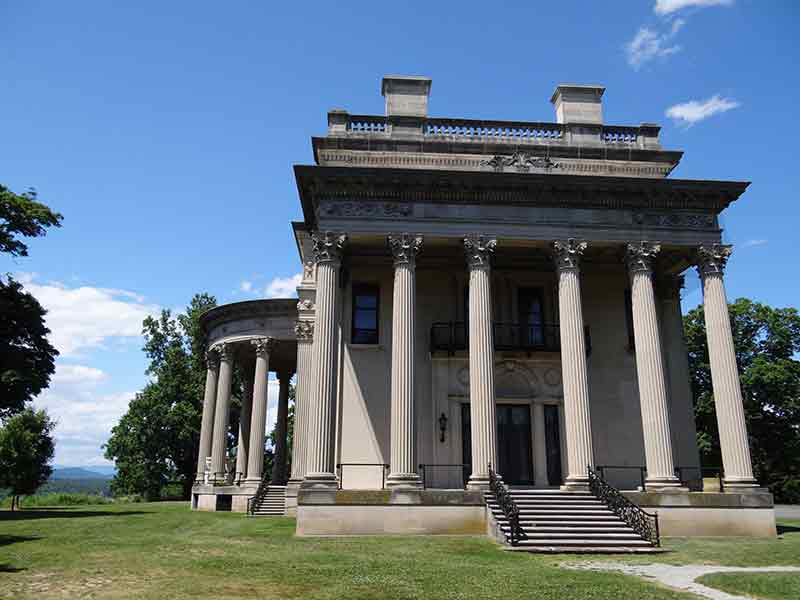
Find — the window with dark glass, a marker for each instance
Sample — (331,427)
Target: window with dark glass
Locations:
(365,314)
(531,316)
(629,319)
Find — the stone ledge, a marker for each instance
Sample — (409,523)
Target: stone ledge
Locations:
(701,499)
(383,498)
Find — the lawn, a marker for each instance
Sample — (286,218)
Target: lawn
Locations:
(166,551)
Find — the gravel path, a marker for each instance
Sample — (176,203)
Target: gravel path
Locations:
(682,578)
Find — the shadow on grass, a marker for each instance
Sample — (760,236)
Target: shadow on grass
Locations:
(7,568)
(7,540)
(787,529)
(61,513)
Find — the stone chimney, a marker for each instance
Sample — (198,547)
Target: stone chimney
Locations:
(578,104)
(406,96)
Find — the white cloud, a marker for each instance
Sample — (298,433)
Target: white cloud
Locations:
(283,287)
(246,286)
(668,7)
(85,317)
(71,374)
(694,111)
(648,44)
(749,243)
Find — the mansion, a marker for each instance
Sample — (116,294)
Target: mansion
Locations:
(487,338)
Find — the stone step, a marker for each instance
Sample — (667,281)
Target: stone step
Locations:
(571,530)
(560,549)
(583,543)
(568,538)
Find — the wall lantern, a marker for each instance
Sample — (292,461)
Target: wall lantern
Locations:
(442,426)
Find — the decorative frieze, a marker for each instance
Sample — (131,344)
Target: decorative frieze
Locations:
(404,248)
(306,304)
(675,220)
(365,209)
(640,256)
(712,258)
(304,330)
(328,246)
(568,253)
(479,250)
(263,346)
(522,161)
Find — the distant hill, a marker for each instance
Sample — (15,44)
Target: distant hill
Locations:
(79,473)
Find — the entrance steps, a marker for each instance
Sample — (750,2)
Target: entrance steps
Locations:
(272,503)
(556,521)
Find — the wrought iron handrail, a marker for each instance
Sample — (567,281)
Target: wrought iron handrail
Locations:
(453,336)
(340,472)
(641,521)
(507,505)
(262,490)
(464,471)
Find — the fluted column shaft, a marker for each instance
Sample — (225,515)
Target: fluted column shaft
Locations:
(281,424)
(322,408)
(219,450)
(258,418)
(577,414)
(301,393)
(403,441)
(242,450)
(728,401)
(650,368)
(483,418)
(209,403)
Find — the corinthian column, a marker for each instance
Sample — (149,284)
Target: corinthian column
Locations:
(577,416)
(327,249)
(402,472)
(481,360)
(219,449)
(258,419)
(209,402)
(279,464)
(242,451)
(650,367)
(733,442)
(304,331)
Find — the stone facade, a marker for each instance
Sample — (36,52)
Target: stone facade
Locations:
(482,295)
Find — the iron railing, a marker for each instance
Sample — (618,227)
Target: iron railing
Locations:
(262,490)
(453,336)
(642,522)
(424,468)
(508,506)
(340,471)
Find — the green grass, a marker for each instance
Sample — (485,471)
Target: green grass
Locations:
(148,551)
(59,499)
(768,586)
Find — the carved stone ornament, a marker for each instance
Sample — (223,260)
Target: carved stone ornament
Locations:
(522,161)
(308,271)
(224,350)
(404,248)
(479,250)
(328,246)
(304,330)
(212,358)
(263,346)
(711,259)
(568,253)
(675,220)
(640,256)
(365,209)
(306,304)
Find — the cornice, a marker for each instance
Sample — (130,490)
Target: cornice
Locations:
(276,307)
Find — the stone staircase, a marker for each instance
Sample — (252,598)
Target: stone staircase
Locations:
(272,503)
(558,521)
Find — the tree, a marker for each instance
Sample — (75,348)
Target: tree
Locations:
(156,441)
(21,215)
(27,359)
(767,342)
(26,449)
(272,438)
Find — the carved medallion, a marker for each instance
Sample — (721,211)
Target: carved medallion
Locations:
(522,161)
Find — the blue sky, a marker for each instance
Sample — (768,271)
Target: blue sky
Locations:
(165,134)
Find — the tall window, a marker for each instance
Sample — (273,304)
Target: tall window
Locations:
(365,314)
(531,317)
(629,319)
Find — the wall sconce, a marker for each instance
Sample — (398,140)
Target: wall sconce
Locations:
(442,426)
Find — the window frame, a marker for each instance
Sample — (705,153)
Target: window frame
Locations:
(361,289)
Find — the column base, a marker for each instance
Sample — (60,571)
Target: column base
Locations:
(665,484)
(318,488)
(252,480)
(403,480)
(479,482)
(576,484)
(742,486)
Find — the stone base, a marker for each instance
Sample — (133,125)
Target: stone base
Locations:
(698,514)
(375,512)
(292,489)
(231,498)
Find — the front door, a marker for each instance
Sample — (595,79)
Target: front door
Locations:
(514,450)
(552,436)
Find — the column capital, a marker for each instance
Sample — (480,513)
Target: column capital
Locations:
(328,246)
(479,250)
(567,254)
(404,248)
(263,346)
(712,258)
(224,350)
(212,358)
(640,256)
(306,304)
(304,331)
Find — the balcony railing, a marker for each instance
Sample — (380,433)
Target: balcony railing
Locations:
(452,337)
